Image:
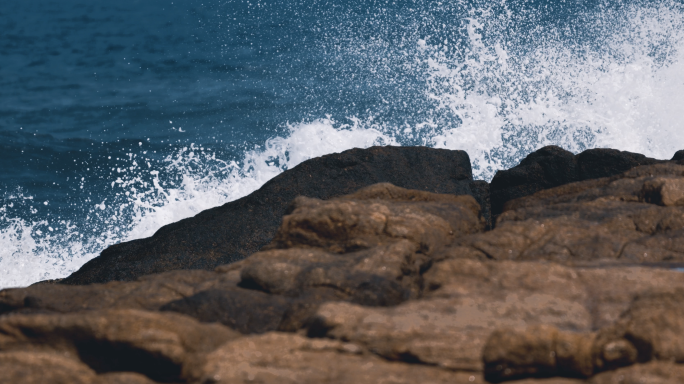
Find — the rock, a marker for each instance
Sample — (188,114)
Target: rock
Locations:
(369,248)
(245,310)
(239,228)
(553,166)
(577,283)
(480,191)
(633,217)
(149,293)
(288,358)
(603,162)
(377,215)
(655,372)
(678,156)
(281,288)
(41,367)
(122,378)
(468,299)
(545,168)
(539,351)
(153,344)
(651,329)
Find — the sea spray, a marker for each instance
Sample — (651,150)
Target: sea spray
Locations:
(185,183)
(497,80)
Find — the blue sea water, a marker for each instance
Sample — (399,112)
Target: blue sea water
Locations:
(117,118)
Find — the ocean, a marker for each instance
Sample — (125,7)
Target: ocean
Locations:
(117,118)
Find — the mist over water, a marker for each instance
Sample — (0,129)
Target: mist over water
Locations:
(90,161)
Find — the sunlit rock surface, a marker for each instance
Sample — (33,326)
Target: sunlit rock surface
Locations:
(577,282)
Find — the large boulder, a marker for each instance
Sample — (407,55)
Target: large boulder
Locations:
(552,166)
(652,329)
(466,300)
(634,217)
(370,248)
(156,345)
(237,229)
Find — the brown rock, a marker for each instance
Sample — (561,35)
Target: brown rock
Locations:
(634,217)
(393,285)
(383,275)
(43,368)
(245,310)
(368,248)
(653,325)
(655,372)
(449,326)
(289,358)
(468,299)
(149,293)
(239,228)
(377,215)
(122,378)
(539,351)
(651,329)
(156,345)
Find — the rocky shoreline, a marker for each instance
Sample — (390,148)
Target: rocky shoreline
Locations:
(384,265)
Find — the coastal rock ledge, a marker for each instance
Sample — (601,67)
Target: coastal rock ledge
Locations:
(384,265)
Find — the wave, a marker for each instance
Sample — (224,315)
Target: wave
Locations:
(144,200)
(612,77)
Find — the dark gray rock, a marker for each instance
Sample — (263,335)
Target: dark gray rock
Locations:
(553,166)
(237,229)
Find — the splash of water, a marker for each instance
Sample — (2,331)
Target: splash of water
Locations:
(42,250)
(497,94)
(623,91)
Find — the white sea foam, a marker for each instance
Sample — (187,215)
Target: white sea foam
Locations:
(624,93)
(34,251)
(492,95)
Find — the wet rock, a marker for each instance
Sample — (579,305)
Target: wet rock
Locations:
(553,166)
(604,162)
(239,228)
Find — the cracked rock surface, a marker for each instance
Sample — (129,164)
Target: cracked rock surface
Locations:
(579,281)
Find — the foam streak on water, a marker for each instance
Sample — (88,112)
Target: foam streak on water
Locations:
(613,77)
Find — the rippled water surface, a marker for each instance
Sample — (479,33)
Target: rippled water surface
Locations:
(119,117)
